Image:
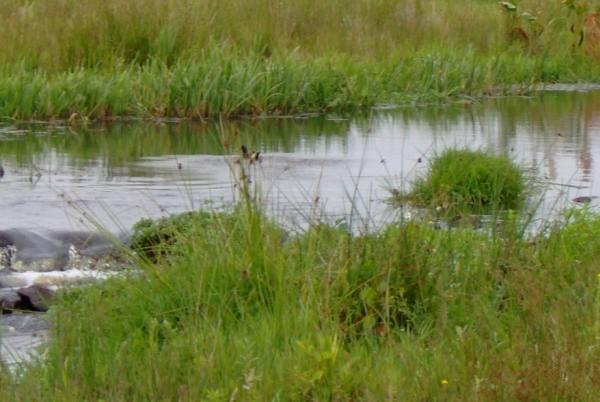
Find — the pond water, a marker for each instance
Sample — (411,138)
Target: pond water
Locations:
(58,176)
(62,180)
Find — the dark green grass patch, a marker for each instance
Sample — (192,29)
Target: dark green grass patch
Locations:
(226,83)
(460,178)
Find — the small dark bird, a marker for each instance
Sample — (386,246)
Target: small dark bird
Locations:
(1,172)
(255,157)
(179,166)
(244,152)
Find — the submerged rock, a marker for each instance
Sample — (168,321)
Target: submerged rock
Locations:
(31,298)
(23,290)
(23,250)
(584,200)
(8,299)
(33,265)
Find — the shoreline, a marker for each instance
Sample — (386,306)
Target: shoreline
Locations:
(223,86)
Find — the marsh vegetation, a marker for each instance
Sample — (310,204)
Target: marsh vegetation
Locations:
(233,307)
(93,59)
(227,305)
(460,180)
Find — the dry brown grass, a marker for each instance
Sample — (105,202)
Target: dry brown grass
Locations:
(592,35)
(63,33)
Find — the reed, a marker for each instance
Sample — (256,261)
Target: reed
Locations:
(60,34)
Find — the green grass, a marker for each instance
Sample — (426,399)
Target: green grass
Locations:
(226,85)
(95,59)
(235,308)
(58,35)
(460,179)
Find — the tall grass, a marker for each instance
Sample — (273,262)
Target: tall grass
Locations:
(227,85)
(237,309)
(63,34)
(205,58)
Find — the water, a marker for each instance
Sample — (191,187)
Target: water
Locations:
(61,181)
(61,178)
(21,335)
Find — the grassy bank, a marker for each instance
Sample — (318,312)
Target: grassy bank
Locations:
(229,85)
(201,59)
(236,309)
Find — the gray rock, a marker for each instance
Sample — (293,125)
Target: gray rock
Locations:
(24,250)
(35,298)
(8,299)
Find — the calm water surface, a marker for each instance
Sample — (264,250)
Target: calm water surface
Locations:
(57,176)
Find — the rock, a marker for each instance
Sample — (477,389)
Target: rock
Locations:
(23,250)
(8,299)
(584,200)
(35,298)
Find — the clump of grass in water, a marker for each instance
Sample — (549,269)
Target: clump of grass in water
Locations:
(461,179)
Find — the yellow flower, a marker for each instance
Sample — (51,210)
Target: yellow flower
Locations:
(598,275)
(445,382)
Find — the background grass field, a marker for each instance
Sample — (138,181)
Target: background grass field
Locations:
(90,58)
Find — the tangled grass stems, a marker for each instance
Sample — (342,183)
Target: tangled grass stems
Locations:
(230,304)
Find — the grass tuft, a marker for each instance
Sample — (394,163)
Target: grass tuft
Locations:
(461,178)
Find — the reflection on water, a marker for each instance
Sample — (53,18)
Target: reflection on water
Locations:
(119,172)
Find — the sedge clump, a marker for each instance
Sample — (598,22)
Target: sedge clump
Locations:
(465,179)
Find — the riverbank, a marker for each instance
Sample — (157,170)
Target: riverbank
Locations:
(222,84)
(235,308)
(93,60)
